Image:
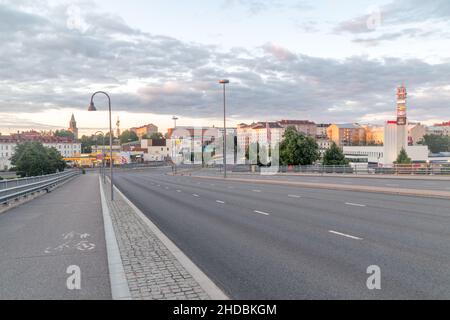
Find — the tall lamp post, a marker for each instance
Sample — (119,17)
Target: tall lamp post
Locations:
(224,82)
(111,161)
(102,168)
(174,118)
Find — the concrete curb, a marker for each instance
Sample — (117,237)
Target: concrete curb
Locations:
(214,292)
(357,188)
(119,284)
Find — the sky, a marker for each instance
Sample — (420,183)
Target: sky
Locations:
(325,60)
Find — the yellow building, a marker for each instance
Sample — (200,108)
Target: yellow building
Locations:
(348,134)
(374,134)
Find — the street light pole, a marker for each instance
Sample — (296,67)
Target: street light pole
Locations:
(224,82)
(111,161)
(102,168)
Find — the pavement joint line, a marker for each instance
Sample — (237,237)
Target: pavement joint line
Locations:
(345,235)
(118,281)
(214,292)
(355,204)
(262,212)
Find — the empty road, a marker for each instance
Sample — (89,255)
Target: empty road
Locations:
(260,241)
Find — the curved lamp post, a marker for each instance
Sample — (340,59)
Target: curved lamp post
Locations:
(111,160)
(224,82)
(102,168)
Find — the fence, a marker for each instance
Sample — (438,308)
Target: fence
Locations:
(14,189)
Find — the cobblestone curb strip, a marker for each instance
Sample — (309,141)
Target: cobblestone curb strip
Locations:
(154,267)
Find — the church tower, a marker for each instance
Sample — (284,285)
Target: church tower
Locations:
(73,127)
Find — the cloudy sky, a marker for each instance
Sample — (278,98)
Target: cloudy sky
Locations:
(322,60)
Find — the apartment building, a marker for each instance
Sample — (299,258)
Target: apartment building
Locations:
(66,146)
(348,134)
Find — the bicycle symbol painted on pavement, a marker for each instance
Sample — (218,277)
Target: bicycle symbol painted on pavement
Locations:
(73,240)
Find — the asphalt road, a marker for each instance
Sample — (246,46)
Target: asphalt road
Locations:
(41,239)
(260,241)
(388,182)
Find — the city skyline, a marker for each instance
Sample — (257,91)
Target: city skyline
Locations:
(154,69)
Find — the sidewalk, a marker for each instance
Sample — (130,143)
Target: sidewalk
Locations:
(41,239)
(154,267)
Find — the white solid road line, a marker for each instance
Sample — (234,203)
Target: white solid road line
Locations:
(294,196)
(355,204)
(345,235)
(261,212)
(219,201)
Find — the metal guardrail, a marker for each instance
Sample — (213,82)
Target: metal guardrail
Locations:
(27,186)
(412,169)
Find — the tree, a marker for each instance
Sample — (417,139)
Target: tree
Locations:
(334,156)
(86,143)
(156,136)
(33,159)
(403,158)
(64,134)
(436,143)
(298,149)
(128,136)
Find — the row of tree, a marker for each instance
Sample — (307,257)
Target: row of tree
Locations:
(33,159)
(436,143)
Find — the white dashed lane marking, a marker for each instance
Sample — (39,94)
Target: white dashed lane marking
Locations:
(294,196)
(345,235)
(219,201)
(262,212)
(355,204)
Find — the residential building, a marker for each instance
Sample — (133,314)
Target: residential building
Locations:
(324,144)
(264,133)
(146,130)
(66,146)
(321,130)
(416,132)
(304,126)
(439,130)
(349,134)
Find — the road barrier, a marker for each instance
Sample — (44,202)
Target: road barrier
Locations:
(14,189)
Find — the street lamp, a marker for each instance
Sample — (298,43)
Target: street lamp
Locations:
(102,168)
(174,118)
(224,82)
(111,164)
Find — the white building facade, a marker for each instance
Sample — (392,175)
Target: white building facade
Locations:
(66,147)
